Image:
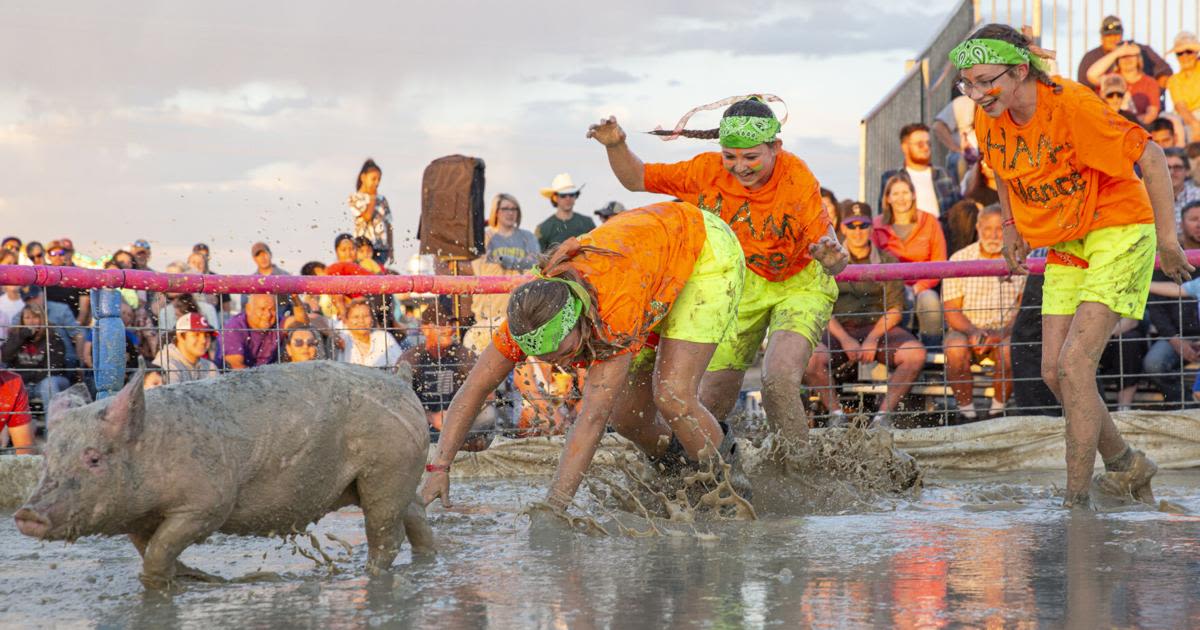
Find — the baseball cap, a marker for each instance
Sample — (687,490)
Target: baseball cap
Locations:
(193,322)
(440,312)
(857,212)
(610,209)
(1110,25)
(1112,84)
(142,243)
(259,247)
(200,247)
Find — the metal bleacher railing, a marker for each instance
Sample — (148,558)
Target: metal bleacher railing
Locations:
(540,399)
(1070,27)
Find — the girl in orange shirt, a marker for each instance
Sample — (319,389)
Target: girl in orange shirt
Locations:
(1064,163)
(668,273)
(772,202)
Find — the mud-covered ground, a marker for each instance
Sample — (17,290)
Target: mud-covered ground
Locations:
(978,551)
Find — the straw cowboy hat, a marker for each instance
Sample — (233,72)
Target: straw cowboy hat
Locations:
(562,184)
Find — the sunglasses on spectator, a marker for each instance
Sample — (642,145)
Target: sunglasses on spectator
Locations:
(857,225)
(300,343)
(1185,53)
(59,252)
(38,255)
(572,195)
(1115,95)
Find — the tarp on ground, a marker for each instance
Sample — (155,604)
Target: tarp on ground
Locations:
(1172,439)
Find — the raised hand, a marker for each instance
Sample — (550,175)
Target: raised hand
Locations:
(607,132)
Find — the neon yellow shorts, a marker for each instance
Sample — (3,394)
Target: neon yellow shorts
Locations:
(705,310)
(802,304)
(1120,263)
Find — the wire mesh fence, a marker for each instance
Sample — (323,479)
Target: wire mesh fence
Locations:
(967,350)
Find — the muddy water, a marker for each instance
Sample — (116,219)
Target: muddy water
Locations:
(982,551)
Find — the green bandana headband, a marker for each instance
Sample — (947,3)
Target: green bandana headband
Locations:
(992,51)
(743,132)
(546,338)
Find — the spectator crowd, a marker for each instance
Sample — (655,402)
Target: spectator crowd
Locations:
(885,344)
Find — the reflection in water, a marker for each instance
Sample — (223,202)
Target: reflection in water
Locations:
(931,563)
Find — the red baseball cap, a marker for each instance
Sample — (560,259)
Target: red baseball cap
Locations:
(193,322)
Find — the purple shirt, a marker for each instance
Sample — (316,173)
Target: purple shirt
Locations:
(256,347)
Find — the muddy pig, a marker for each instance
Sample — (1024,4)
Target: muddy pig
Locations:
(256,452)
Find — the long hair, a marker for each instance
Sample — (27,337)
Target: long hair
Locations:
(748,107)
(40,312)
(886,206)
(535,302)
(1011,35)
(367,167)
(960,225)
(494,213)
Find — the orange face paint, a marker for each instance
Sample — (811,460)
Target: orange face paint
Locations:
(993,92)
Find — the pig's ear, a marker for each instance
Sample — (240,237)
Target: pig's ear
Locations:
(76,395)
(126,415)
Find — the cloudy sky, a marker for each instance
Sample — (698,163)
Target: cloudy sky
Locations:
(231,122)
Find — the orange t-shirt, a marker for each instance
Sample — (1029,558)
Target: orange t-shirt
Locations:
(775,224)
(646,257)
(1069,170)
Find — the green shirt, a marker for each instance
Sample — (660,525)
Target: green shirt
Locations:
(554,230)
(861,304)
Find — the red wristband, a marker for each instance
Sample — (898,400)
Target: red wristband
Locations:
(437,468)
(1010,221)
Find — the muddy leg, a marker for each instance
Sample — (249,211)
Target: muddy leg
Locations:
(160,554)
(182,571)
(1089,427)
(783,371)
(420,535)
(383,512)
(719,391)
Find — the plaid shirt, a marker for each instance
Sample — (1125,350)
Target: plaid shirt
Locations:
(989,302)
(1189,194)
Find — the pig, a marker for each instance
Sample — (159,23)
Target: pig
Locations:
(259,452)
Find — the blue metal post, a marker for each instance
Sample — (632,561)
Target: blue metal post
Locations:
(108,342)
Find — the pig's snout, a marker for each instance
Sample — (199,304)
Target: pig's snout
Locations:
(31,523)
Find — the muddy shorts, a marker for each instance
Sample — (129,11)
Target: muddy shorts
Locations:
(802,304)
(1111,266)
(705,310)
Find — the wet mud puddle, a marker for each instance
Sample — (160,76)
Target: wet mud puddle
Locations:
(981,550)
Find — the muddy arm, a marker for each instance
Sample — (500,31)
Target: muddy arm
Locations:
(604,382)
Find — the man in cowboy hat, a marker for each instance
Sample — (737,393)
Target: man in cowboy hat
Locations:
(564,223)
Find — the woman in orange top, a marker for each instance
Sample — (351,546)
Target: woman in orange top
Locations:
(913,236)
(773,204)
(1064,163)
(668,271)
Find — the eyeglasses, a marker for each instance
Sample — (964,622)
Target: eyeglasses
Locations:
(966,87)
(1186,53)
(300,343)
(514,209)
(857,225)
(1115,95)
(1177,167)
(571,195)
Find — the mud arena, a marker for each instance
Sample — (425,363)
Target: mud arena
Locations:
(884,545)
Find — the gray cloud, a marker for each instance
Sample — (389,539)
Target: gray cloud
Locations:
(597,76)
